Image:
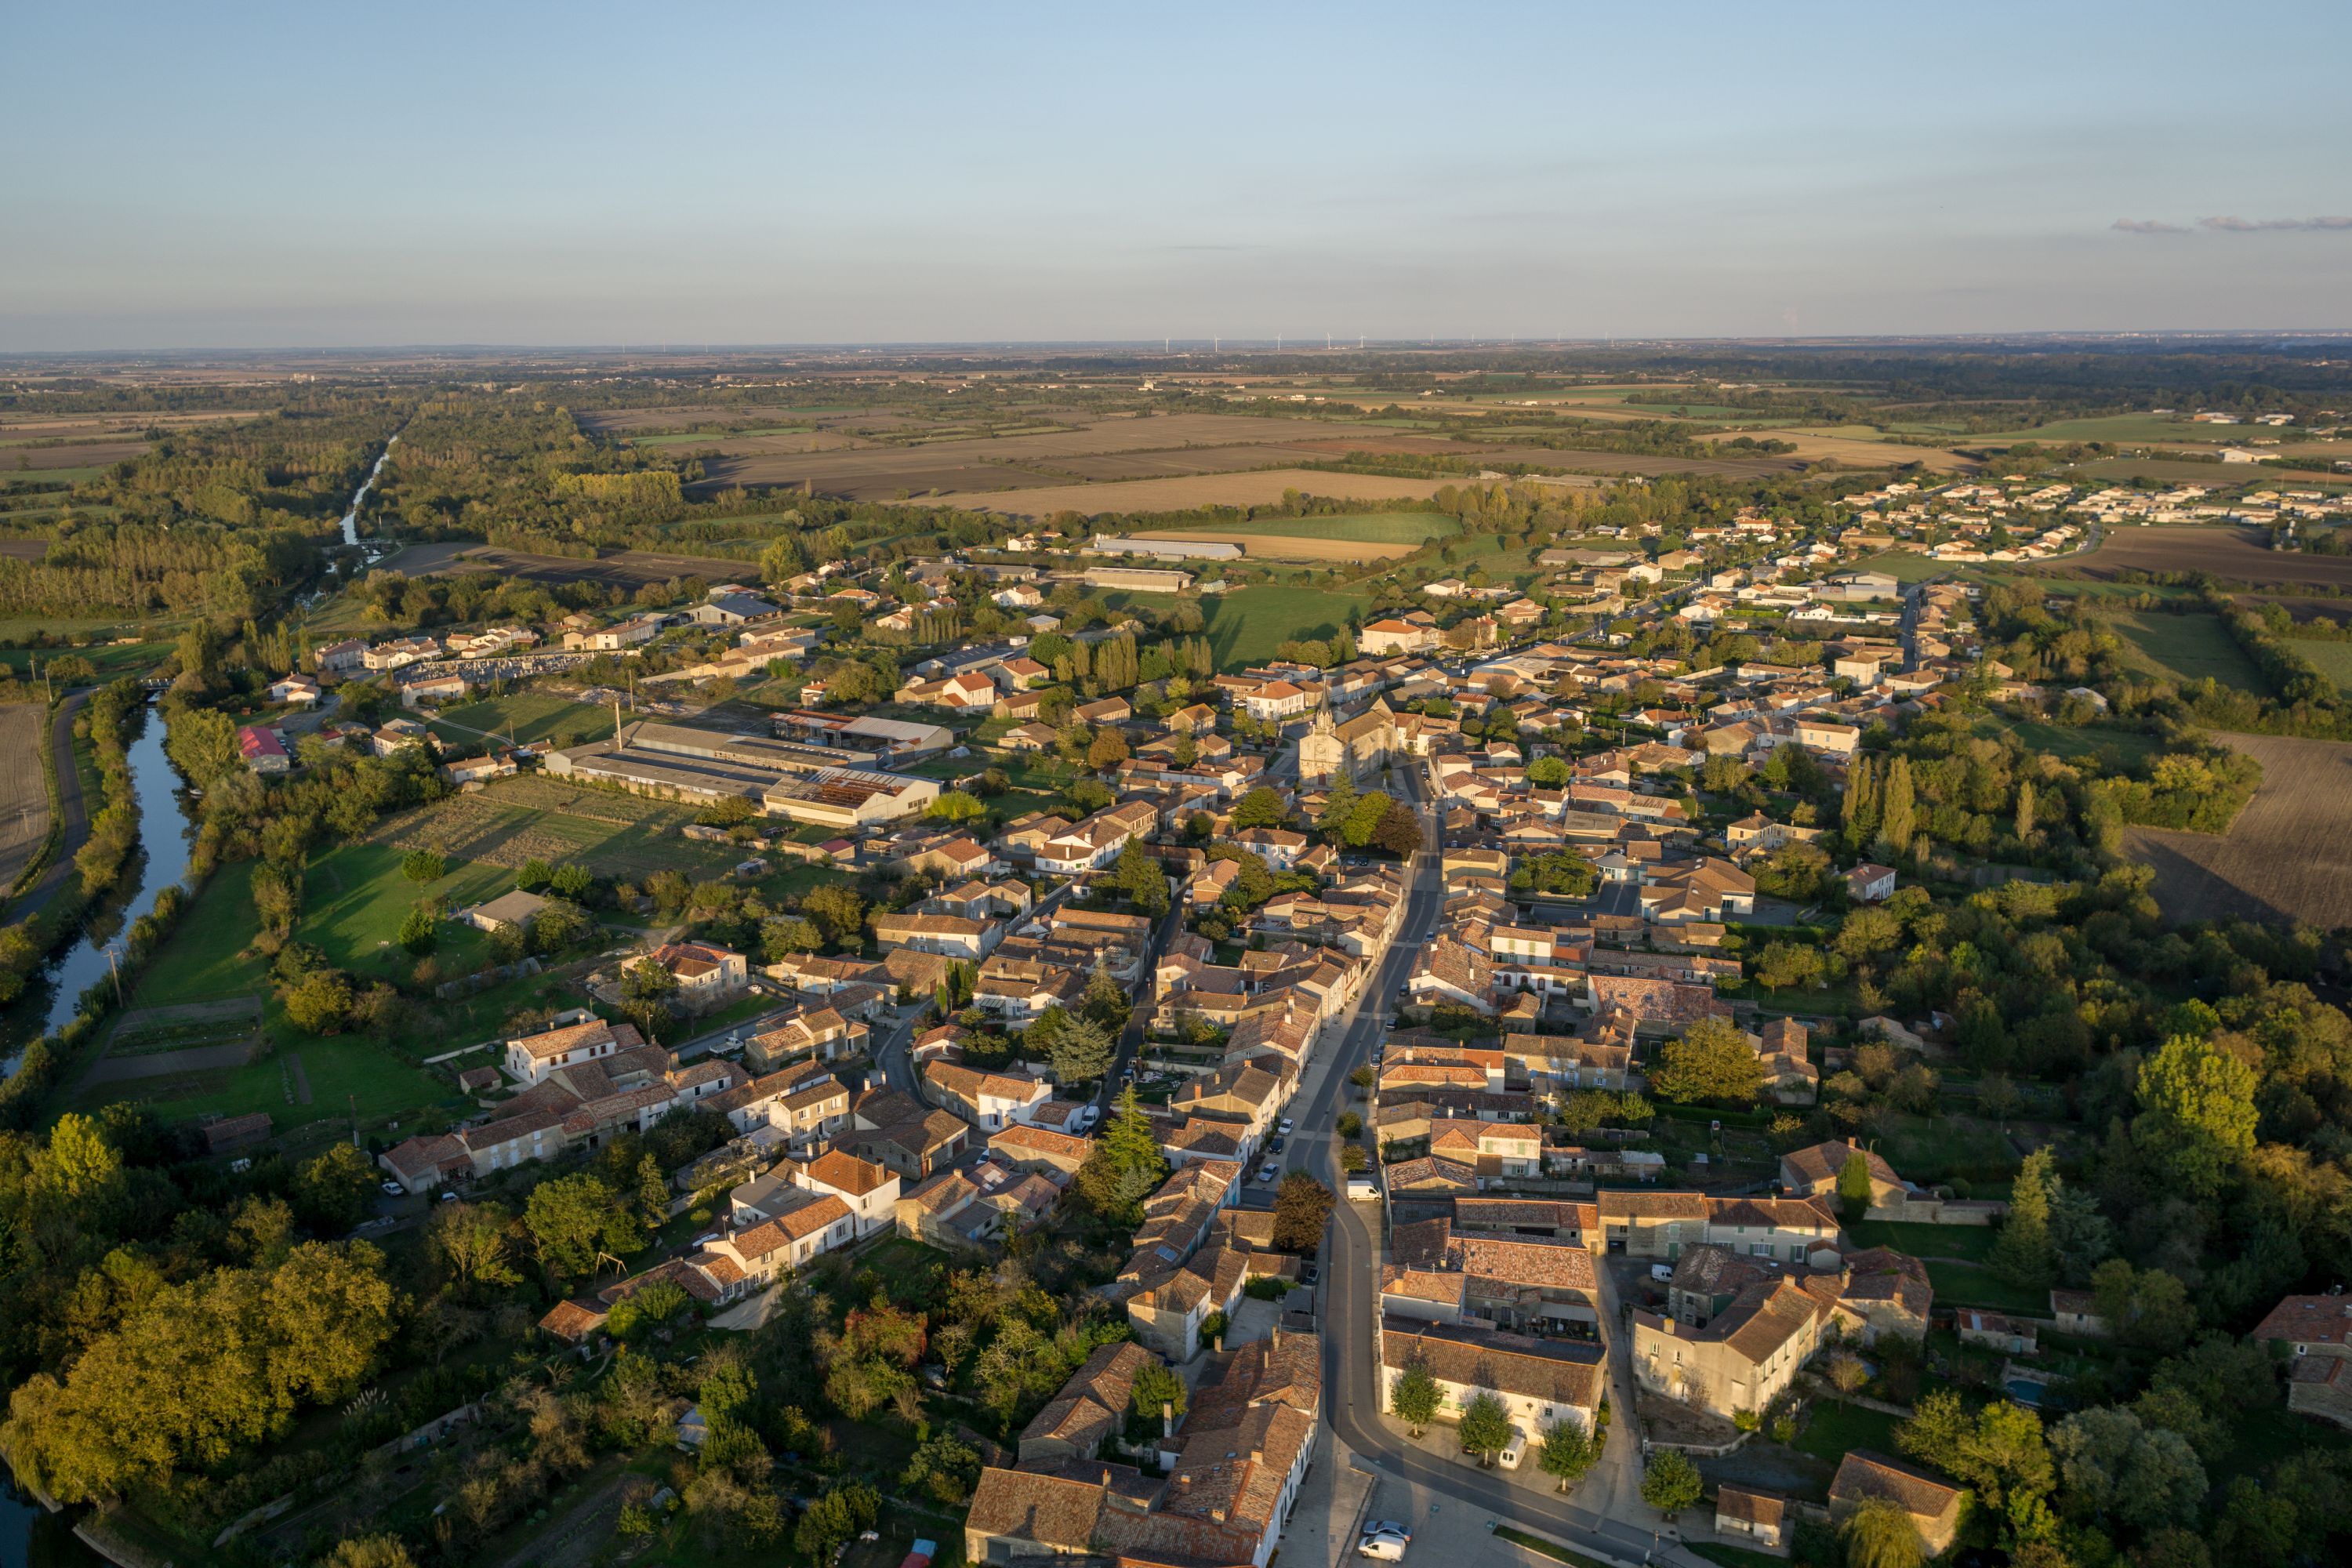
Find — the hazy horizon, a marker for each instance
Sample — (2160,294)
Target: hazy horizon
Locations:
(289,179)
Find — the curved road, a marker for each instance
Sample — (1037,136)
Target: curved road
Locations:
(1626,1529)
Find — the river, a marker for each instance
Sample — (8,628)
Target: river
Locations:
(359,497)
(29,1536)
(162,860)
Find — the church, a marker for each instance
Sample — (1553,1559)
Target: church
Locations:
(1354,747)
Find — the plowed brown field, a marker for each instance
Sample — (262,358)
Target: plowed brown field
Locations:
(2287,858)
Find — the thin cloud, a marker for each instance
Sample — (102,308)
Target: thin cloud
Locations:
(2145,226)
(2252,225)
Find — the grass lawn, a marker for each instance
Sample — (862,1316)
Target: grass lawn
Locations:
(341,1072)
(202,960)
(529,716)
(1736,1556)
(1929,1149)
(1972,1242)
(354,897)
(129,658)
(2057,741)
(1553,1549)
(2333,658)
(2266,1436)
(1965,1285)
(1364,528)
(2187,648)
(1906,566)
(1246,626)
(1832,1430)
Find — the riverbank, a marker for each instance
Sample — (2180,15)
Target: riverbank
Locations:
(78,987)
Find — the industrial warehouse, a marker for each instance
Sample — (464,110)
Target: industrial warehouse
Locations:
(830,786)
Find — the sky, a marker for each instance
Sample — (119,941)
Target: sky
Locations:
(249,176)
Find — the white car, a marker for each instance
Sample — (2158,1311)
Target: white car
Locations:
(1513,1451)
(1283,1125)
(1268,1171)
(1386,1548)
(392,1189)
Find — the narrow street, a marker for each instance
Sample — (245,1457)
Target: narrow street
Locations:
(1606,1515)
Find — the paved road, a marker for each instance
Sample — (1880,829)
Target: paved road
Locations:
(1351,1296)
(73,811)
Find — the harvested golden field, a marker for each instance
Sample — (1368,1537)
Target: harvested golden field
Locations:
(1280,547)
(2238,554)
(1858,451)
(24,788)
(1260,489)
(2287,858)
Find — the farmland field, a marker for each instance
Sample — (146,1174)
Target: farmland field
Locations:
(515,819)
(2224,552)
(625,568)
(24,788)
(2334,659)
(1286,547)
(1262,487)
(1367,527)
(1861,448)
(2187,648)
(2288,856)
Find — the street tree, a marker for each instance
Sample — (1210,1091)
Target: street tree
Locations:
(1671,1484)
(1485,1426)
(1414,1397)
(1567,1453)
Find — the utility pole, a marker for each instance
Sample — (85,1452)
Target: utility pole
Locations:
(114,962)
(355,1119)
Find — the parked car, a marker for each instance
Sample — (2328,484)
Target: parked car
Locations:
(1274,1147)
(1513,1451)
(1386,1548)
(1283,1125)
(392,1189)
(1269,1171)
(1387,1527)
(1661,1272)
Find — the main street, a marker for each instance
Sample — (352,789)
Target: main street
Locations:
(1607,1518)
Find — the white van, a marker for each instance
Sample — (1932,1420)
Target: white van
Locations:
(1360,1190)
(1513,1451)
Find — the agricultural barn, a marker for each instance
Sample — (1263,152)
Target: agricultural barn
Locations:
(1166,549)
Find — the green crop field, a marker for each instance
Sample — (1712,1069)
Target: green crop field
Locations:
(1246,626)
(714,437)
(2187,648)
(1364,528)
(344,1073)
(2129,428)
(2334,659)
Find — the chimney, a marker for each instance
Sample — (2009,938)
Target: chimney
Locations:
(1258,1455)
(1277,1336)
(1220,1344)
(1106,1480)
(1167,1418)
